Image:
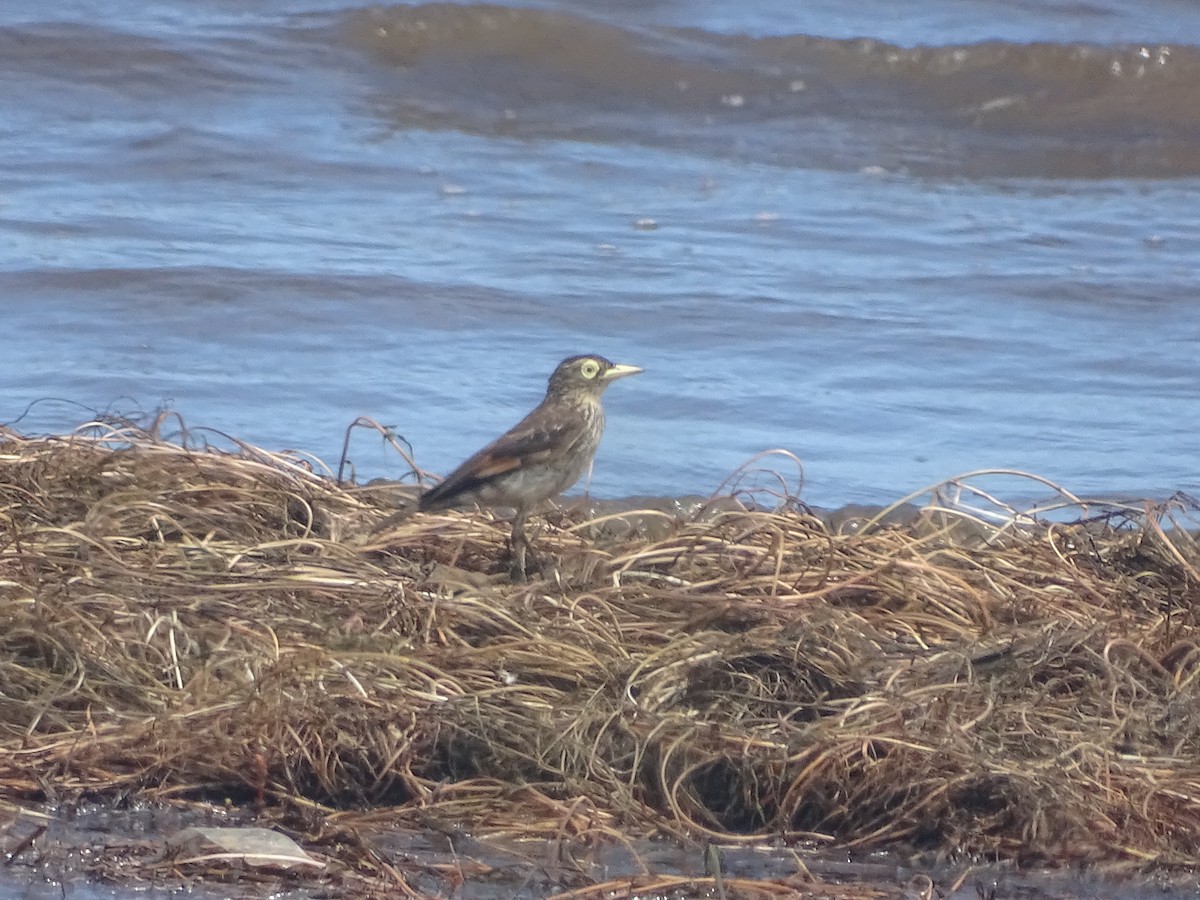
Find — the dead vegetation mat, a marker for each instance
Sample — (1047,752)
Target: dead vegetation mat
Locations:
(181,623)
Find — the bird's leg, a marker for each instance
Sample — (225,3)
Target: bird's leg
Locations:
(518,546)
(522,556)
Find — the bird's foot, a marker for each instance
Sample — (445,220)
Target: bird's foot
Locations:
(523,562)
(517,573)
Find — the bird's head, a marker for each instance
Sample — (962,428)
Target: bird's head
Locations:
(586,374)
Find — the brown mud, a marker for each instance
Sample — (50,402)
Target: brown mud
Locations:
(735,698)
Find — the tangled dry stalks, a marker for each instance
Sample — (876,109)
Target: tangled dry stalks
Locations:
(188,623)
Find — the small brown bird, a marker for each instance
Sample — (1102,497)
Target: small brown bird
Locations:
(543,455)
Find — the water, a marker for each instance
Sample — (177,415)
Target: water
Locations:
(901,247)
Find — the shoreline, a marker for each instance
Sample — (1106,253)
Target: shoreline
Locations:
(226,638)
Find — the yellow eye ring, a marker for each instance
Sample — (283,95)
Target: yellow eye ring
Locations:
(590,369)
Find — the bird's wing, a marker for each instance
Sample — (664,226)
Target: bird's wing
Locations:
(532,441)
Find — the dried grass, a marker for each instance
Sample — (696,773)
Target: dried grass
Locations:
(190,623)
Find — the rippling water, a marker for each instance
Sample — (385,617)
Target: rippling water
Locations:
(900,247)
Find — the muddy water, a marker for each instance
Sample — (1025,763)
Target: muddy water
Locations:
(128,845)
(901,247)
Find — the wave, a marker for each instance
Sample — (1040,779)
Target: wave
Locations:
(989,108)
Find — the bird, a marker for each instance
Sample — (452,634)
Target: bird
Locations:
(539,457)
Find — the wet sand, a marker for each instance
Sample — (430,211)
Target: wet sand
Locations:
(96,852)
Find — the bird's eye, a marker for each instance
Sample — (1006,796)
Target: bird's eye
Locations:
(590,369)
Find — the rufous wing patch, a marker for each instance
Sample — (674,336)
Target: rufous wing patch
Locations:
(491,466)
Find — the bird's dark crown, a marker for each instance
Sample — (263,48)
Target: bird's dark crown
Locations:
(580,372)
(586,377)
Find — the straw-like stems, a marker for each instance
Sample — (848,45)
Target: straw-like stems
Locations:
(188,622)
